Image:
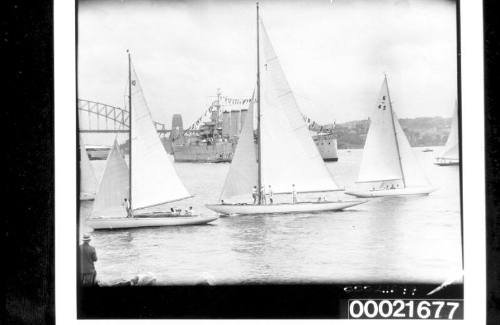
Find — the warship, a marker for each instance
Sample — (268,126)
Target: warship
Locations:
(213,136)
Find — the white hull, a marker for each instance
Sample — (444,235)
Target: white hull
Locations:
(86,197)
(392,192)
(140,222)
(228,209)
(447,162)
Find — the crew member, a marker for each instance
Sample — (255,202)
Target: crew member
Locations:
(254,194)
(294,194)
(189,211)
(270,194)
(126,204)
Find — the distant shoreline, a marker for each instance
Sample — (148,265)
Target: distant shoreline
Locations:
(421,132)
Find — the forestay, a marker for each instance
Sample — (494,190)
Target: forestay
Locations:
(88,180)
(289,155)
(154,179)
(242,175)
(450,150)
(114,187)
(380,154)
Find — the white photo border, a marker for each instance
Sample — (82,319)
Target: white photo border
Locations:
(473,181)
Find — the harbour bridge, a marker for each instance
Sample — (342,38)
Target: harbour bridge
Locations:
(95,117)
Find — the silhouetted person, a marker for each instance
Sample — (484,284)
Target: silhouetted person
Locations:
(189,211)
(126,203)
(270,194)
(87,258)
(254,194)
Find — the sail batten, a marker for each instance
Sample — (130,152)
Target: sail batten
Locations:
(154,178)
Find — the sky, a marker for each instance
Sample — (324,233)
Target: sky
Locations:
(334,53)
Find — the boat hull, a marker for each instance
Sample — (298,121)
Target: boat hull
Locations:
(87,197)
(144,220)
(441,161)
(447,163)
(392,192)
(229,209)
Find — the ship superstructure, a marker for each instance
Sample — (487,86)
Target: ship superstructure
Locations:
(213,137)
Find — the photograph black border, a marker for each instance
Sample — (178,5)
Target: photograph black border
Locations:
(29,282)
(28,182)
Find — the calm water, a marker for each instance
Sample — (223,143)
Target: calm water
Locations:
(394,239)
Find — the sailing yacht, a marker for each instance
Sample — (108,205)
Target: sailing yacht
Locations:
(388,167)
(449,154)
(88,180)
(148,181)
(285,156)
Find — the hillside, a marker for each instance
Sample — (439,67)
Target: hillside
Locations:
(421,131)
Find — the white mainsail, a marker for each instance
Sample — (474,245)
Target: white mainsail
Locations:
(387,154)
(289,155)
(114,187)
(154,179)
(450,150)
(243,172)
(88,180)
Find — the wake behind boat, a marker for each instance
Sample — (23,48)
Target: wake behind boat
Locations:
(149,180)
(388,167)
(285,158)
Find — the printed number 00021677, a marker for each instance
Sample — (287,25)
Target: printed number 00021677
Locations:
(405,309)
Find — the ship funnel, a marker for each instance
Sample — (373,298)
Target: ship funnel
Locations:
(177,134)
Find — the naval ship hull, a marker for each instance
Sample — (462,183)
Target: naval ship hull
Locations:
(327,146)
(204,153)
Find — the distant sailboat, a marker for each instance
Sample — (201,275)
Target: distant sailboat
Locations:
(88,180)
(389,167)
(285,153)
(449,156)
(149,180)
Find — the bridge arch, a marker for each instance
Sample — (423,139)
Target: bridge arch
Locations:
(96,117)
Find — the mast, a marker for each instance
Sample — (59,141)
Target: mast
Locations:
(129,129)
(259,151)
(395,135)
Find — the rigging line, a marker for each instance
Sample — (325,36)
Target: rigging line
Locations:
(259,135)
(395,133)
